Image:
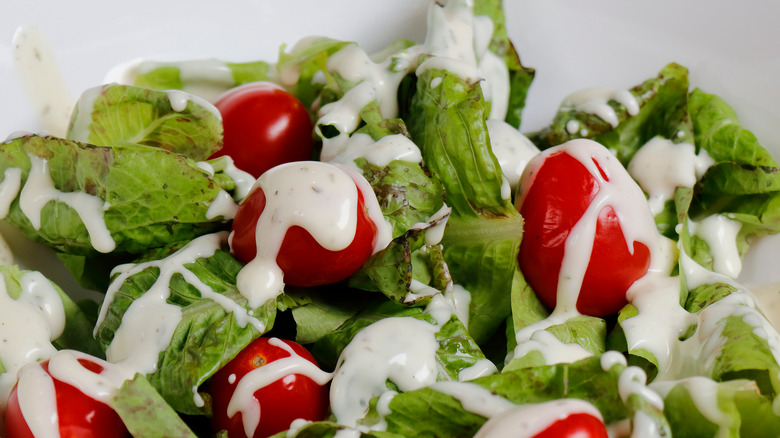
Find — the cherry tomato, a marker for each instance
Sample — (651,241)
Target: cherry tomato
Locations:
(289,398)
(555,196)
(79,415)
(303,261)
(263,126)
(577,425)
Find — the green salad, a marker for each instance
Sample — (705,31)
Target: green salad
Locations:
(412,266)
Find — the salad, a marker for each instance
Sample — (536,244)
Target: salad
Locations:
(394,258)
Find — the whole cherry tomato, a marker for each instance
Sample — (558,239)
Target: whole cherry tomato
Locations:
(577,425)
(263,126)
(281,398)
(79,415)
(301,258)
(557,189)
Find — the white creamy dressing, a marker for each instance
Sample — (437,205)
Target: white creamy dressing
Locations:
(379,153)
(29,325)
(9,188)
(617,190)
(660,166)
(512,149)
(41,79)
(38,401)
(149,323)
(320,198)
(243,400)
(526,421)
(407,357)
(596,101)
(39,190)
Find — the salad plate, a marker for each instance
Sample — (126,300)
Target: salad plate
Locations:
(730,52)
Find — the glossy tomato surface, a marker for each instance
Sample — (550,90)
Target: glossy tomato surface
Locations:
(264,126)
(579,425)
(558,196)
(303,261)
(289,398)
(79,415)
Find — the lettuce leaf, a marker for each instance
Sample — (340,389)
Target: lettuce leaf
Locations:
(151,197)
(206,338)
(482,237)
(145,412)
(662,102)
(116,115)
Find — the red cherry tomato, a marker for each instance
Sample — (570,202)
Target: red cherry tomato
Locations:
(579,425)
(79,415)
(303,261)
(283,401)
(555,197)
(264,126)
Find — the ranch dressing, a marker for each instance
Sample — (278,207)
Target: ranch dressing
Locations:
(526,421)
(596,101)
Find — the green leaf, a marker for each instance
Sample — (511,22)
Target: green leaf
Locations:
(662,112)
(150,197)
(208,335)
(145,412)
(116,115)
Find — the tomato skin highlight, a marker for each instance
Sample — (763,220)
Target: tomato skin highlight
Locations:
(577,425)
(80,416)
(264,126)
(303,261)
(554,200)
(292,397)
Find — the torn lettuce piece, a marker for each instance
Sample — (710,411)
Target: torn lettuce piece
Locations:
(207,78)
(145,413)
(624,120)
(203,320)
(120,115)
(123,199)
(483,233)
(743,184)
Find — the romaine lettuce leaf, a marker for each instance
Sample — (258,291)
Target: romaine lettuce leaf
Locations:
(118,115)
(145,412)
(205,339)
(483,233)
(150,197)
(662,102)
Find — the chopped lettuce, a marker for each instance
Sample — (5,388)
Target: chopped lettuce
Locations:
(118,115)
(208,335)
(149,197)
